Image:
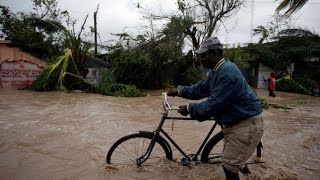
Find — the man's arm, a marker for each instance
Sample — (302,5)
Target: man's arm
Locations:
(197,91)
(217,101)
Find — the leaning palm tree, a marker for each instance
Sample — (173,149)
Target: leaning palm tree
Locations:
(263,32)
(292,5)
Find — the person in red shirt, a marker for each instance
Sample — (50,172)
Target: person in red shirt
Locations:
(272,85)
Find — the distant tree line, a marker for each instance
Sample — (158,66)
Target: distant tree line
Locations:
(138,62)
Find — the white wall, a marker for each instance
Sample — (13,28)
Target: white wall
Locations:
(263,75)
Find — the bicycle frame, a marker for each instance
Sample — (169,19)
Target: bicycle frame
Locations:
(190,157)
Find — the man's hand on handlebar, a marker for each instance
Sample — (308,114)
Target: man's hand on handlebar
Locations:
(173,93)
(183,110)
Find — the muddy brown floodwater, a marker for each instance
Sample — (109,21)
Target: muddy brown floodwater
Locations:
(56,135)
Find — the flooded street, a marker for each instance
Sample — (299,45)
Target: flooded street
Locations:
(56,135)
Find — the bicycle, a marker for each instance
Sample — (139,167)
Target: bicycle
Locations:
(126,150)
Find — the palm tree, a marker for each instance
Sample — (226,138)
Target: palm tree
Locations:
(261,30)
(292,5)
(69,69)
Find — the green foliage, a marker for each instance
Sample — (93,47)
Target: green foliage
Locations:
(108,86)
(266,55)
(43,38)
(292,45)
(264,103)
(126,90)
(175,30)
(120,90)
(280,106)
(192,75)
(237,55)
(106,80)
(44,33)
(301,85)
(42,83)
(54,76)
(108,77)
(69,68)
(289,85)
(131,67)
(187,70)
(141,65)
(310,85)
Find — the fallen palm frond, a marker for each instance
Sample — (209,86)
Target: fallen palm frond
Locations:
(292,6)
(72,64)
(53,77)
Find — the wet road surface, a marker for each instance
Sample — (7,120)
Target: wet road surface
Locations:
(56,135)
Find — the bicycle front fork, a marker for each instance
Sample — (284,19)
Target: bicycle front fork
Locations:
(144,157)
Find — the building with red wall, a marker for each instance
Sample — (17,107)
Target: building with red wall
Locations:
(17,68)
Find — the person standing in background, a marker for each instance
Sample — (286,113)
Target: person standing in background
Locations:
(272,85)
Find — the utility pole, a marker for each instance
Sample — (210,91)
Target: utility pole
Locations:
(95,32)
(251,25)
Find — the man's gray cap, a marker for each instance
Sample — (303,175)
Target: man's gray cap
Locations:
(209,43)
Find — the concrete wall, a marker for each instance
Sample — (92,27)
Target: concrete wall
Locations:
(17,68)
(94,75)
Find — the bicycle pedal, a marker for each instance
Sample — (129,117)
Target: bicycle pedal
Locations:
(184,162)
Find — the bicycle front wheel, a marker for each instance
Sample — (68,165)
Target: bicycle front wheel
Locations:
(129,148)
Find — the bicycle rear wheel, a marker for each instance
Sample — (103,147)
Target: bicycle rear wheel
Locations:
(129,148)
(213,150)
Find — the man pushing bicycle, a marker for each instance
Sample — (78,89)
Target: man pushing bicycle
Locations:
(230,101)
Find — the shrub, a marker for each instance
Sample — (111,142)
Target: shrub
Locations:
(124,90)
(289,85)
(311,86)
(108,86)
(264,103)
(41,83)
(192,75)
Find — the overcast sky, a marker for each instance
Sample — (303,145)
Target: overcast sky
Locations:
(116,16)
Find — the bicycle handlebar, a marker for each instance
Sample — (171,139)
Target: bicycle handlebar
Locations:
(167,107)
(166,104)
